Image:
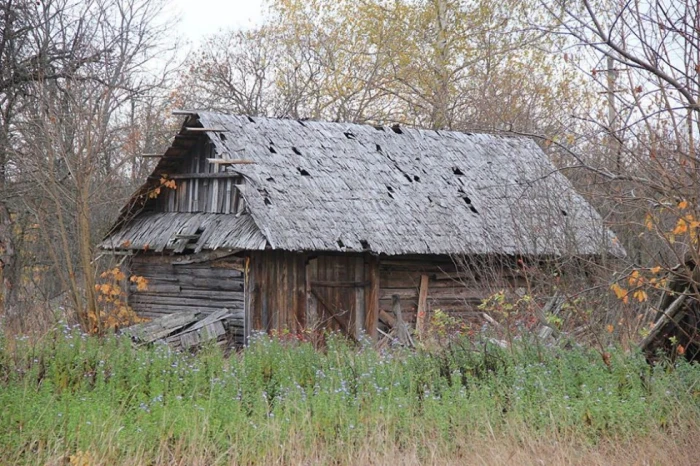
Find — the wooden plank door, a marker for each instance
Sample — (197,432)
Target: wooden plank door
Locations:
(336,287)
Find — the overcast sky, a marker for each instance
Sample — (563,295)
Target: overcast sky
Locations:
(199,18)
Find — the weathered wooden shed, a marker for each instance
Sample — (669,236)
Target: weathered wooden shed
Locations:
(297,224)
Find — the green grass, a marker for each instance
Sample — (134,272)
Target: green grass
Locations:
(68,393)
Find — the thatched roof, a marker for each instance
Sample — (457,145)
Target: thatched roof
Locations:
(347,187)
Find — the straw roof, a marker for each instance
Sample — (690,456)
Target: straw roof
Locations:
(317,186)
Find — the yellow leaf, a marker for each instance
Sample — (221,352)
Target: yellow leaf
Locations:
(620,292)
(655,270)
(610,328)
(641,295)
(634,278)
(649,222)
(683,204)
(681,227)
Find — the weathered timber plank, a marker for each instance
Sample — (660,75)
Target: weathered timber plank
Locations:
(372,306)
(311,302)
(422,305)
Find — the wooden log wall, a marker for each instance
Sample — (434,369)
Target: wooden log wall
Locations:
(202,186)
(456,288)
(200,286)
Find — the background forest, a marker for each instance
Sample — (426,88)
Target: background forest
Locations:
(608,89)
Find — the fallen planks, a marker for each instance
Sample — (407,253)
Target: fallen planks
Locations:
(185,330)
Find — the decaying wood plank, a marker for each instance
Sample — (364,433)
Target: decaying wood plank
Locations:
(422,305)
(187,329)
(231,161)
(311,302)
(331,284)
(161,328)
(200,176)
(402,331)
(372,308)
(207,257)
(387,318)
(206,130)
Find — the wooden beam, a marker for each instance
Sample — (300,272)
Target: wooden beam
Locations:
(387,318)
(205,130)
(372,309)
(422,305)
(183,112)
(340,284)
(200,176)
(151,155)
(311,302)
(401,327)
(230,161)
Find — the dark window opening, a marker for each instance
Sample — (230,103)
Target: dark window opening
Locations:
(397,129)
(364,243)
(272,150)
(303,172)
(268,201)
(457,171)
(250,118)
(416,178)
(222,136)
(340,243)
(379,148)
(296,151)
(349,135)
(563,212)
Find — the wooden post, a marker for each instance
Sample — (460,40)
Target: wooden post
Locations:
(372,309)
(311,301)
(248,303)
(422,305)
(401,327)
(359,314)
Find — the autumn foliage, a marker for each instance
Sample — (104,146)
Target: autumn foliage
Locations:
(114,312)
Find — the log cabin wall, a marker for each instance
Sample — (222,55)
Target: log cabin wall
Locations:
(454,286)
(179,286)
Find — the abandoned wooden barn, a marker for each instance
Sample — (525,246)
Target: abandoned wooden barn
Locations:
(300,224)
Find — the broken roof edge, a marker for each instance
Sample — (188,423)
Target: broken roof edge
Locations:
(173,232)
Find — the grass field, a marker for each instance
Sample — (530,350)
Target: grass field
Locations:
(71,399)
